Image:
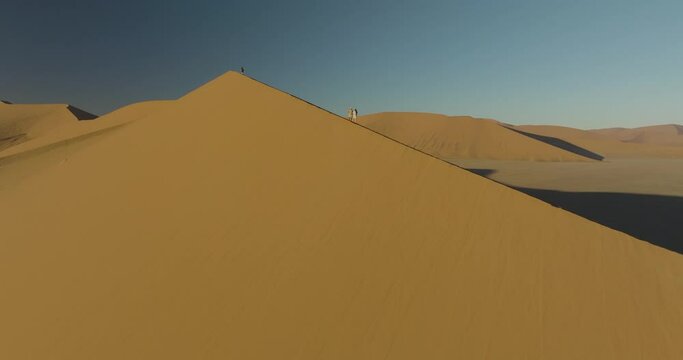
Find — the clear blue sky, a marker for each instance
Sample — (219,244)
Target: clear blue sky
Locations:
(581,63)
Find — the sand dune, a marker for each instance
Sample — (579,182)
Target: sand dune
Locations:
(19,123)
(34,119)
(660,141)
(671,135)
(30,127)
(245,224)
(464,137)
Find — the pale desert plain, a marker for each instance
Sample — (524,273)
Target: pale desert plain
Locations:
(241,222)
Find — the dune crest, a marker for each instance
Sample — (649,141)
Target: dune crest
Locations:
(245,224)
(464,137)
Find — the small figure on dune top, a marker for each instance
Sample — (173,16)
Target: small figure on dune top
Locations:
(242,70)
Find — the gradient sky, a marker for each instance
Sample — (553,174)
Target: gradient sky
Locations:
(587,64)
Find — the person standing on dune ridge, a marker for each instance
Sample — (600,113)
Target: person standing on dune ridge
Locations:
(354,114)
(242,70)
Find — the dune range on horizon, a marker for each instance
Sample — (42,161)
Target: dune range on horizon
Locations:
(661,141)
(465,137)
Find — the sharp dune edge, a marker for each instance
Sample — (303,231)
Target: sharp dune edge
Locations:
(465,137)
(245,224)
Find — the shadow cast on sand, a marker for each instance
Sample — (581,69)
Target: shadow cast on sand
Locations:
(653,218)
(564,145)
(482,172)
(81,114)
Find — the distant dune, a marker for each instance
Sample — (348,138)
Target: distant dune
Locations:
(19,123)
(242,223)
(465,137)
(29,127)
(655,141)
(671,134)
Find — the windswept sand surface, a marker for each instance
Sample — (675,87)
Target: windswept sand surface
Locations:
(20,123)
(464,137)
(27,128)
(246,224)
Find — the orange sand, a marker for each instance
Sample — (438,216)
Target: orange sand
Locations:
(245,224)
(463,137)
(31,127)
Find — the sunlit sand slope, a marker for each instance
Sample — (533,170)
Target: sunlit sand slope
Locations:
(32,127)
(463,137)
(23,122)
(246,224)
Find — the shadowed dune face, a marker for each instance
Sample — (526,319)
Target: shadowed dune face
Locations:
(653,218)
(641,197)
(467,137)
(244,223)
(5,102)
(81,114)
(562,145)
(483,172)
